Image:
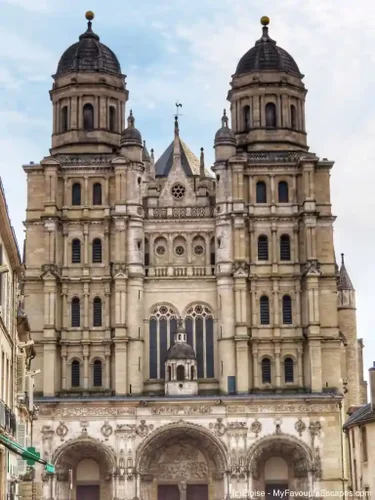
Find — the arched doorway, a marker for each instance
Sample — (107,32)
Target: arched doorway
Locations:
(181,462)
(278,463)
(87,466)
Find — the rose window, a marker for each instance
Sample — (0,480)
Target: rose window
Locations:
(180,250)
(160,250)
(198,250)
(178,191)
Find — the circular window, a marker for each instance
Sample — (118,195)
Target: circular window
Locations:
(198,250)
(160,250)
(180,250)
(178,191)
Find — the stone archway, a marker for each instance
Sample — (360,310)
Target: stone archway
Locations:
(292,453)
(68,457)
(183,456)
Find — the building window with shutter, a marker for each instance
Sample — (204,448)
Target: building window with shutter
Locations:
(287,310)
(261,192)
(76,382)
(289,370)
(76,194)
(264,310)
(97,251)
(98,373)
(97,194)
(76,251)
(76,313)
(263,247)
(266,371)
(285,247)
(97,312)
(283,192)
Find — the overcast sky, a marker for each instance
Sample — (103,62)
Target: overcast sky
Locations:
(187,51)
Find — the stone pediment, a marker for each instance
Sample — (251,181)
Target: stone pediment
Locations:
(50,272)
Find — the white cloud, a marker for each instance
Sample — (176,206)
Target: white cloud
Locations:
(31,5)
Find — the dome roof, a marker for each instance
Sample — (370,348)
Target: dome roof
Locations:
(181,350)
(131,134)
(266,55)
(88,54)
(225,134)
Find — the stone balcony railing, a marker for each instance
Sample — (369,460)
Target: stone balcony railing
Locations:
(180,271)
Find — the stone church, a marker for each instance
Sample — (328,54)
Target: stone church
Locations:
(195,336)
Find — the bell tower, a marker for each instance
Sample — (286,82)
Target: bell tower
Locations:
(88,97)
(268,98)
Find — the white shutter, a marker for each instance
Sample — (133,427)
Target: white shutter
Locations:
(21,439)
(21,369)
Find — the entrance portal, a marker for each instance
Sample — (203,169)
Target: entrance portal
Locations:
(168,492)
(88,492)
(197,492)
(276,491)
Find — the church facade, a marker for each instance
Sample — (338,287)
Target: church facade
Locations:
(195,336)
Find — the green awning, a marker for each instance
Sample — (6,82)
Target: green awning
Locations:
(29,454)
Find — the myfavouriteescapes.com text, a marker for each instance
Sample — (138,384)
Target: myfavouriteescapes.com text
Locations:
(287,494)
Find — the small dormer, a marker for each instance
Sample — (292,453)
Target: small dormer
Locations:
(181,367)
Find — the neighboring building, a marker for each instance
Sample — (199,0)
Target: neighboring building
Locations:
(120,249)
(360,433)
(15,357)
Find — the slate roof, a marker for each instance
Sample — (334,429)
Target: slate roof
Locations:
(181,351)
(88,54)
(190,163)
(266,55)
(361,416)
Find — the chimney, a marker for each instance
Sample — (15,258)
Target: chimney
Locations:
(372,385)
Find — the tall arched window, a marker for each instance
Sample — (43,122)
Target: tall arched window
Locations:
(147,252)
(266,371)
(88,117)
(264,306)
(293,117)
(112,119)
(287,310)
(97,251)
(246,118)
(76,251)
(263,247)
(270,115)
(97,373)
(97,312)
(200,335)
(97,194)
(76,194)
(283,192)
(288,370)
(212,255)
(163,327)
(180,373)
(75,373)
(261,192)
(284,247)
(64,119)
(76,313)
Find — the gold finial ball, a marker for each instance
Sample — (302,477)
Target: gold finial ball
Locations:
(265,20)
(89,15)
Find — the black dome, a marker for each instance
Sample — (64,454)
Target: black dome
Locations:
(88,55)
(266,55)
(181,351)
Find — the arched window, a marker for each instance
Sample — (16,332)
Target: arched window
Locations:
(97,194)
(270,115)
(246,118)
(147,252)
(284,247)
(97,251)
(97,312)
(192,373)
(263,247)
(97,373)
(112,119)
(261,192)
(287,310)
(76,251)
(180,373)
(266,371)
(76,194)
(76,313)
(64,119)
(283,192)
(293,117)
(88,117)
(212,255)
(76,382)
(264,310)
(289,370)
(200,335)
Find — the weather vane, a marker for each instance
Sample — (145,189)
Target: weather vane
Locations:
(178,105)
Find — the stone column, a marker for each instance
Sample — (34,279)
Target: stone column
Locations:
(85,366)
(183,492)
